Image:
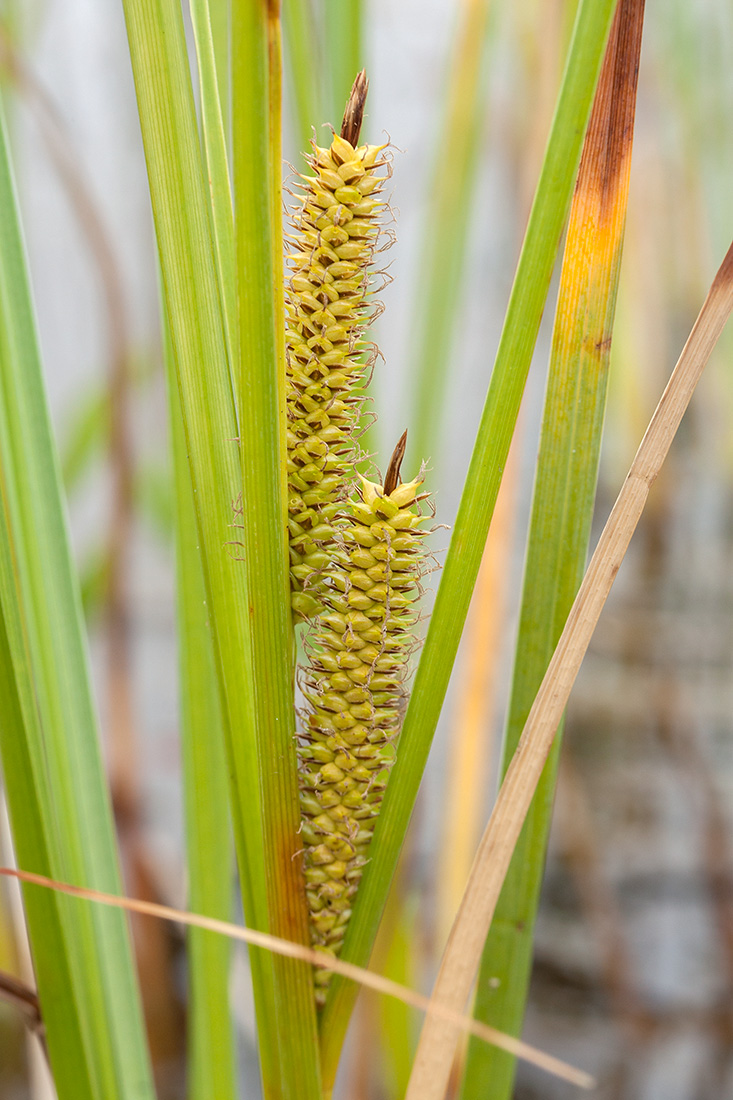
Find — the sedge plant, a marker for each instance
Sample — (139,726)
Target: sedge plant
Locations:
(286,540)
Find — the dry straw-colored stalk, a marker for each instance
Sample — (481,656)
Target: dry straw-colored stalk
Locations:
(470,736)
(462,954)
(355,687)
(268,942)
(328,306)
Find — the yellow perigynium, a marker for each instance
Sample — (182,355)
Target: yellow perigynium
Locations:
(355,688)
(327,305)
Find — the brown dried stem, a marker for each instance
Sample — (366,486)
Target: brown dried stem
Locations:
(16,992)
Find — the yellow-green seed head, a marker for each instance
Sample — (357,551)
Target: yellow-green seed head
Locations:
(327,305)
(355,688)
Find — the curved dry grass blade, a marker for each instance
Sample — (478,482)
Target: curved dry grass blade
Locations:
(463,951)
(290,949)
(19,994)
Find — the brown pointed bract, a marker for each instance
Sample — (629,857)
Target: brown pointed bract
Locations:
(354,113)
(392,477)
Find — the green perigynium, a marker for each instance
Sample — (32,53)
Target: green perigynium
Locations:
(355,688)
(328,306)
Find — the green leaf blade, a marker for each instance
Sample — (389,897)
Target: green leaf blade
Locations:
(344,51)
(193,304)
(61,757)
(448,216)
(531,284)
(258,213)
(212,1064)
(52,947)
(213,75)
(562,511)
(305,70)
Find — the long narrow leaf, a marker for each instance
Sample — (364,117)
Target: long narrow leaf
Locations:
(343,40)
(529,292)
(193,305)
(567,470)
(212,1064)
(219,22)
(67,822)
(305,66)
(325,51)
(258,211)
(448,217)
(214,144)
(29,806)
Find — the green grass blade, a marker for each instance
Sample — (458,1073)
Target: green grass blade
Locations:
(52,945)
(305,70)
(256,159)
(219,22)
(193,306)
(45,642)
(562,510)
(217,161)
(445,235)
(212,1066)
(325,51)
(547,218)
(343,27)
(400,934)
(277,242)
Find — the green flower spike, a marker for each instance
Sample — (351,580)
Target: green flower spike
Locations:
(355,688)
(334,237)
